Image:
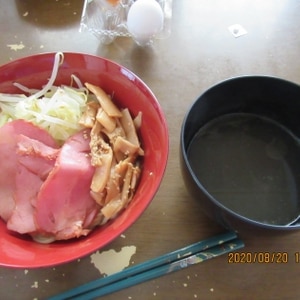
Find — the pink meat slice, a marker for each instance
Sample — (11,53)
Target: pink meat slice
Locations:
(64,206)
(37,157)
(9,163)
(27,187)
(35,160)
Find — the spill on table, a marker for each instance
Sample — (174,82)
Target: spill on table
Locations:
(16,47)
(35,285)
(110,262)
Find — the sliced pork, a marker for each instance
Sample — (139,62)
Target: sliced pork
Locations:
(64,207)
(27,185)
(34,161)
(45,190)
(36,156)
(15,138)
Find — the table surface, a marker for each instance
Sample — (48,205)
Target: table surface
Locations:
(200,52)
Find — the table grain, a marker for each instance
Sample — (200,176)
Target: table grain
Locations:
(200,52)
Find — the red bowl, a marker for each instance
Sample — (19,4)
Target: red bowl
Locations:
(129,91)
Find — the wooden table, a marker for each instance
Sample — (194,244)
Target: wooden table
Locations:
(200,52)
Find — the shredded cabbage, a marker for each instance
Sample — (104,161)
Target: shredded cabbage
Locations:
(55,109)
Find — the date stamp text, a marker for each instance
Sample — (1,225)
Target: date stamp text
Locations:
(262,257)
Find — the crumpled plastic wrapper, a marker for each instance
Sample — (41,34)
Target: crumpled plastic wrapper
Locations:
(107,19)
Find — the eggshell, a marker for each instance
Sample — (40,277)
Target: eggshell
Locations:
(144,20)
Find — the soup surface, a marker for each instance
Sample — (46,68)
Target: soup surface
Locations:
(251,165)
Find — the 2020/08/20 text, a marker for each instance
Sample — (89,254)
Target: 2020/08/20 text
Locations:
(261,257)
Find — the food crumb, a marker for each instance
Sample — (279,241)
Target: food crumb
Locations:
(25,14)
(188,277)
(195,296)
(123,236)
(185,285)
(47,280)
(16,47)
(35,285)
(211,289)
(154,294)
(129,297)
(25,271)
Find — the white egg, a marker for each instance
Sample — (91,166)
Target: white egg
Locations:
(144,20)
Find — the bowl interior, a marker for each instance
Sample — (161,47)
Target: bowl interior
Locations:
(128,91)
(241,144)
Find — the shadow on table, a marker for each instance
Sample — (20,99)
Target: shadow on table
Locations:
(50,13)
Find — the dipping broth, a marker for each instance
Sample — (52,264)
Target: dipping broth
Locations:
(249,164)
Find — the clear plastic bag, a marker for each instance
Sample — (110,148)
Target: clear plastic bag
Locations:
(107,19)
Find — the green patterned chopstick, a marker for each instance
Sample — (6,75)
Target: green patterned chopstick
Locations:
(156,267)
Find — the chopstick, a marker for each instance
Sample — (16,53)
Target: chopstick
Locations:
(167,263)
